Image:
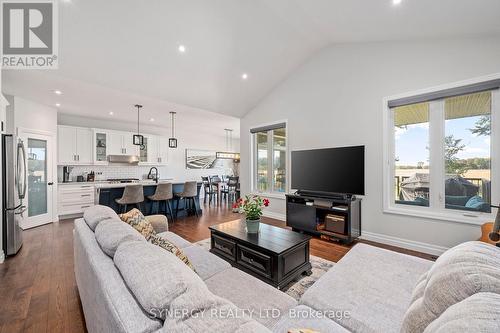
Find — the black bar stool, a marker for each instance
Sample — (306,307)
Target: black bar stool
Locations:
(163,193)
(132,195)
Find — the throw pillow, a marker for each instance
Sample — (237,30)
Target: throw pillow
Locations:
(166,245)
(135,219)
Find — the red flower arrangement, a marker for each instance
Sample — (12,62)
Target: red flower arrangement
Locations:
(251,206)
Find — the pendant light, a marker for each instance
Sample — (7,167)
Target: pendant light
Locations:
(229,153)
(172,141)
(138,139)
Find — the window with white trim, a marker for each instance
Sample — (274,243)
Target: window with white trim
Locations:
(442,153)
(269,158)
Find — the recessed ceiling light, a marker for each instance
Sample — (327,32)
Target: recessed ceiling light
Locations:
(152,119)
(396,2)
(244,76)
(58,104)
(58,92)
(182,48)
(111,113)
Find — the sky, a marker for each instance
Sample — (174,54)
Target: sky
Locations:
(412,142)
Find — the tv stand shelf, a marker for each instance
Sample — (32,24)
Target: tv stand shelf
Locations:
(336,217)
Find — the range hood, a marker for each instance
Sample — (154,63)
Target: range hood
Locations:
(123,159)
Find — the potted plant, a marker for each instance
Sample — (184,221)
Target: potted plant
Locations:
(251,207)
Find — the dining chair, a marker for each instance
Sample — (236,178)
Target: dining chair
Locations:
(232,187)
(208,189)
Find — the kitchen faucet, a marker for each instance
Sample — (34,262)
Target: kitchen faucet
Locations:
(155,176)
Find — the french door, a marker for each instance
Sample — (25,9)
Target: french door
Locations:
(39,194)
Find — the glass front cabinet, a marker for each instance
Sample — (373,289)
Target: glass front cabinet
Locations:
(100,147)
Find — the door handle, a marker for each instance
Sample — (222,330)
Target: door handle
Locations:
(50,183)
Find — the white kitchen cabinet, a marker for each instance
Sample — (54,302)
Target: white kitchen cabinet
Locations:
(163,150)
(149,155)
(84,145)
(100,145)
(120,143)
(66,142)
(115,145)
(155,152)
(128,145)
(74,145)
(75,198)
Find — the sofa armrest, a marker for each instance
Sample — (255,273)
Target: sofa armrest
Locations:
(159,222)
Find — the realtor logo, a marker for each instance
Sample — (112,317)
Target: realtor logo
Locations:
(29,34)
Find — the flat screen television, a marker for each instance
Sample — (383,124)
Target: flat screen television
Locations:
(330,170)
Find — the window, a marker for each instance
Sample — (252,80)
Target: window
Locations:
(440,148)
(270,158)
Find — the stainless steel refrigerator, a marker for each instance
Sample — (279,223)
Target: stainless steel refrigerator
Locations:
(14,191)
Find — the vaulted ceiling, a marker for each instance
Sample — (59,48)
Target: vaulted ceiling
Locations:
(115,48)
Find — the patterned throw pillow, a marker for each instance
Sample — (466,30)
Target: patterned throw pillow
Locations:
(135,219)
(166,245)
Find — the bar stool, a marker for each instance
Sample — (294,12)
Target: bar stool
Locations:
(163,193)
(132,195)
(189,194)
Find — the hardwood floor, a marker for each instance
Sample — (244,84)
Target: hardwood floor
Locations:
(38,290)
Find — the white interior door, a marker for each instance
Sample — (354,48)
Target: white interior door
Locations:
(39,194)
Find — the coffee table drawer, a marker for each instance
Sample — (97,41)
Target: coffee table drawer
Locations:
(255,261)
(224,247)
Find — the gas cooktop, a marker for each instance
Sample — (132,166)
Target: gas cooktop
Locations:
(123,180)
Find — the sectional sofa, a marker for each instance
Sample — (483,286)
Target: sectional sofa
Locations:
(129,285)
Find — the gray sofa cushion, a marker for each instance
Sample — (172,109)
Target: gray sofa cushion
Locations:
(96,214)
(460,272)
(160,281)
(111,233)
(247,292)
(108,304)
(477,313)
(205,263)
(301,317)
(218,318)
(374,285)
(175,239)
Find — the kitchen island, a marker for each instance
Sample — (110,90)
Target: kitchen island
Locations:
(106,193)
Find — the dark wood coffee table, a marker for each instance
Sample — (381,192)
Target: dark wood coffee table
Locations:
(274,255)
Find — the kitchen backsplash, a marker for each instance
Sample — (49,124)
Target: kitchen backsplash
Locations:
(121,171)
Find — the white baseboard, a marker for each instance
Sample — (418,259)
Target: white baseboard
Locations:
(273,215)
(404,243)
(2,257)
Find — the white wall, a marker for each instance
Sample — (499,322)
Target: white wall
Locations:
(335,99)
(189,135)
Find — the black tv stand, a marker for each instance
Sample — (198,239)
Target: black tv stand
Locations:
(331,216)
